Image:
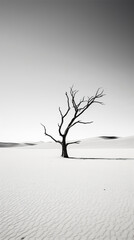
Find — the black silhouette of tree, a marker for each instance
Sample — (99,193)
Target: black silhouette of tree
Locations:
(79,108)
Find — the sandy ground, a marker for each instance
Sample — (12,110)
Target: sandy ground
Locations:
(45,197)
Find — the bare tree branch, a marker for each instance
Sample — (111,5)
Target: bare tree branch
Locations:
(81,123)
(73,94)
(64,115)
(60,125)
(99,94)
(90,101)
(75,142)
(80,110)
(80,102)
(60,112)
(68,104)
(57,141)
(99,102)
(68,109)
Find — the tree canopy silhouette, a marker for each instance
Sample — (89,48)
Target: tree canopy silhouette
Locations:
(79,108)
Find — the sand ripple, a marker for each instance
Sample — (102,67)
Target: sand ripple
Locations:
(47,198)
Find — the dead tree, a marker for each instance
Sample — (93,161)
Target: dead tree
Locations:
(79,108)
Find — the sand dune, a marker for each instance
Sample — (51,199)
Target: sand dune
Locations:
(108,142)
(90,143)
(98,147)
(46,197)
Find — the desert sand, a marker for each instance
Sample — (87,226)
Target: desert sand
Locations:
(45,197)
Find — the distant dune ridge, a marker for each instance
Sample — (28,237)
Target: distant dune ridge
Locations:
(95,142)
(8,144)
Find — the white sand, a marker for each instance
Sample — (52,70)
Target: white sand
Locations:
(44,197)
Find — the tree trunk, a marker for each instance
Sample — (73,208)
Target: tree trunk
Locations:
(64,148)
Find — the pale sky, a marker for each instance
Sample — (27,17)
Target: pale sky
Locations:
(46,46)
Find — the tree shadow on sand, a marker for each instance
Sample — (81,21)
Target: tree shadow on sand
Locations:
(90,158)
